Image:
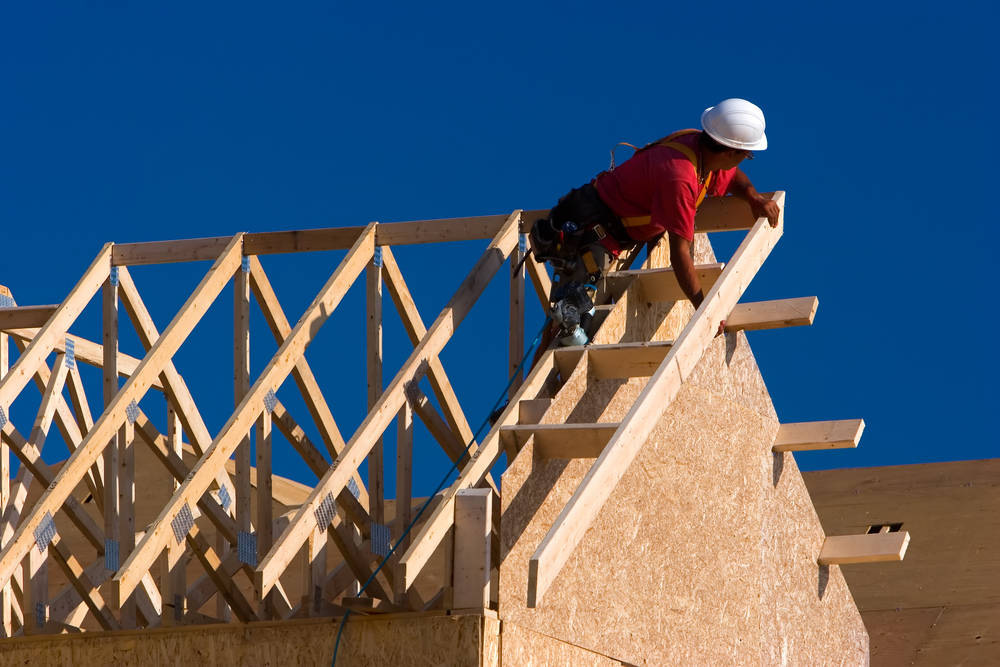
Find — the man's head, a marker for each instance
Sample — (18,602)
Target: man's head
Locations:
(733,129)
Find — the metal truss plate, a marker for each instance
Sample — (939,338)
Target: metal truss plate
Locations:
(325,512)
(182,523)
(45,532)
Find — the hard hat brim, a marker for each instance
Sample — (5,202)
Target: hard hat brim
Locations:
(759,145)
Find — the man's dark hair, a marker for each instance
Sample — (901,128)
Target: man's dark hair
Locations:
(710,144)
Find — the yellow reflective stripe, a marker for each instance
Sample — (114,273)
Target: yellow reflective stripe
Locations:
(588,262)
(637,221)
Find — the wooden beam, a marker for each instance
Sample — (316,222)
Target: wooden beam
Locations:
(614,361)
(77,578)
(391,400)
(54,331)
(442,517)
(515,348)
(174,573)
(661,284)
(110,460)
(806,436)
(473,527)
(310,240)
(373,328)
(404,491)
(773,314)
(435,424)
(872,548)
(540,280)
(301,373)
(6,591)
(226,585)
(96,440)
(247,413)
(25,316)
(561,441)
(241,385)
(600,482)
(84,422)
(265,498)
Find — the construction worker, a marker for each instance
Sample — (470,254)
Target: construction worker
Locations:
(657,191)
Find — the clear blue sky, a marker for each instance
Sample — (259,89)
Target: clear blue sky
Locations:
(124,123)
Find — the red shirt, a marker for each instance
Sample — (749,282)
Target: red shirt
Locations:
(659,182)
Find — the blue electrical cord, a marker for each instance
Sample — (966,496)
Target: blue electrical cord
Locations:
(441,484)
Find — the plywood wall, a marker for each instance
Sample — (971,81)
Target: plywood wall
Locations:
(706,553)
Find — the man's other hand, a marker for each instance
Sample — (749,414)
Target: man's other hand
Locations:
(768,208)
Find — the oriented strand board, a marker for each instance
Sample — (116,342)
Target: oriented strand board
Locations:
(525,648)
(417,640)
(688,546)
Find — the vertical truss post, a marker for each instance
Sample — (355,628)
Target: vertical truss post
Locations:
(265,508)
(126,508)
(174,581)
(6,627)
(241,385)
(473,527)
(109,337)
(376,467)
(34,593)
(314,571)
(516,347)
(404,490)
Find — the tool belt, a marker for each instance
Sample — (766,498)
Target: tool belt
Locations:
(581,218)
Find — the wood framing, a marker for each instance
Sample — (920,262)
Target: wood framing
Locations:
(872,548)
(390,401)
(661,284)
(805,436)
(662,387)
(773,314)
(561,441)
(20,317)
(471,573)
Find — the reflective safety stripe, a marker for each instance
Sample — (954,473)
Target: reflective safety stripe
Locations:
(589,262)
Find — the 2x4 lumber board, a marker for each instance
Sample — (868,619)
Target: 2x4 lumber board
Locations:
(391,400)
(773,314)
(404,489)
(515,348)
(88,352)
(415,329)
(20,317)
(473,526)
(276,320)
(807,436)
(309,240)
(373,329)
(110,462)
(603,477)
(84,422)
(562,441)
(540,280)
(6,591)
(96,440)
(76,576)
(241,385)
(435,424)
(616,360)
(246,414)
(442,517)
(55,328)
(873,548)
(723,214)
(226,585)
(661,284)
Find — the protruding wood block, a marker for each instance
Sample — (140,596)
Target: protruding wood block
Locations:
(807,436)
(661,284)
(473,525)
(873,548)
(561,441)
(21,317)
(773,314)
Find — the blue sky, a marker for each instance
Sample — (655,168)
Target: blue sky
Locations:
(123,122)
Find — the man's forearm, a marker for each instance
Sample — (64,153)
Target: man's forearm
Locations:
(742,187)
(683,265)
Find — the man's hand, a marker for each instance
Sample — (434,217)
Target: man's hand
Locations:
(768,208)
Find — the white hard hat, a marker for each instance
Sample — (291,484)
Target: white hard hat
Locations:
(736,123)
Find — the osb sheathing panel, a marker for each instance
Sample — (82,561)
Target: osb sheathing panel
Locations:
(417,641)
(967,635)
(525,648)
(705,554)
